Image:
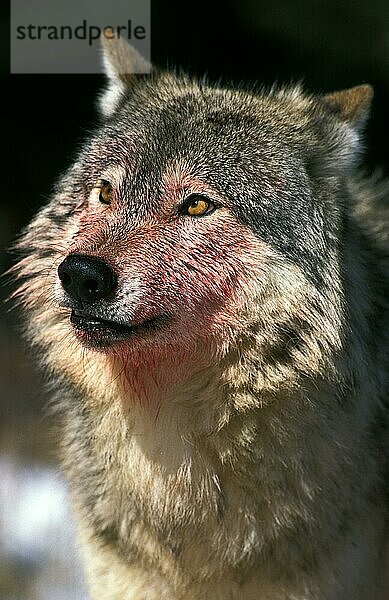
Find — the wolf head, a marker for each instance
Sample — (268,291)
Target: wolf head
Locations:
(197,222)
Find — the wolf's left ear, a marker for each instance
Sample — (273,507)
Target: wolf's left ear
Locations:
(351,106)
(348,111)
(122,65)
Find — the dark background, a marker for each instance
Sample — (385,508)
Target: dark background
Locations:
(328,44)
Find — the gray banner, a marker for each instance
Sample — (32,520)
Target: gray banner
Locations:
(53,36)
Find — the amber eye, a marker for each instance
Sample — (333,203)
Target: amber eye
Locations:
(196,206)
(106,192)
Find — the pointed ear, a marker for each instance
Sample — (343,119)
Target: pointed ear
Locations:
(122,64)
(352,105)
(341,144)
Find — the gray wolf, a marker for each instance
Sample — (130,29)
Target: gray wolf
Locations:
(208,292)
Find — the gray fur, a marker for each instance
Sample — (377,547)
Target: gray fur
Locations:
(263,475)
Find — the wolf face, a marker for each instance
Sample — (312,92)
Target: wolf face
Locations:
(202,207)
(211,259)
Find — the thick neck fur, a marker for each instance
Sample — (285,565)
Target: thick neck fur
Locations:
(267,473)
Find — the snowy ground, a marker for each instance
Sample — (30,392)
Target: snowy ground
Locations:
(38,555)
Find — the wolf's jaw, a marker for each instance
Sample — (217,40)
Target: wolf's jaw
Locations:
(95,332)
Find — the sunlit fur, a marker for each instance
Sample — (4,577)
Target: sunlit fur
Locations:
(239,451)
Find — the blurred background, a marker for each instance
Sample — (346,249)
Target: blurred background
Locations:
(328,44)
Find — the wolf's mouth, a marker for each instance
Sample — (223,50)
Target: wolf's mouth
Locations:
(97,333)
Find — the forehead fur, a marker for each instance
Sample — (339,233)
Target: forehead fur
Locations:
(169,100)
(174,115)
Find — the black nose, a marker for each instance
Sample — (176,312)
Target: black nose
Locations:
(86,278)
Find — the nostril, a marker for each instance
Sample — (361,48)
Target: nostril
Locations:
(91,285)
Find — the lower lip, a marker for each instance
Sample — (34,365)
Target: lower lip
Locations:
(101,334)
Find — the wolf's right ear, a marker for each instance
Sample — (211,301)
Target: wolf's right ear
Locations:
(122,64)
